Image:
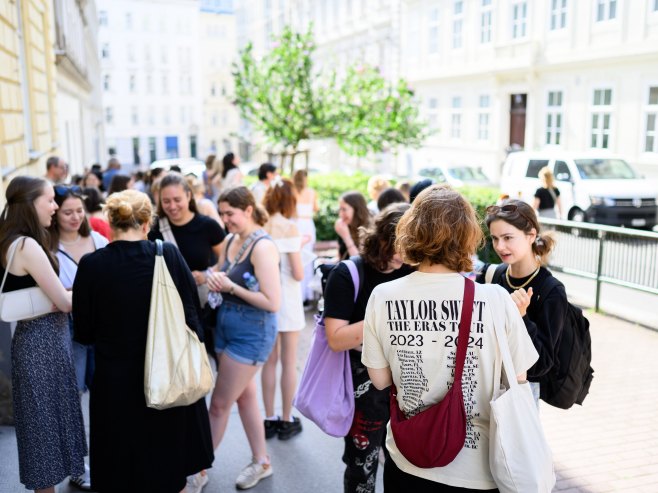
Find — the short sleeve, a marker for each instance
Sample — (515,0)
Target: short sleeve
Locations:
(538,193)
(373,354)
(215,232)
(557,192)
(523,351)
(339,294)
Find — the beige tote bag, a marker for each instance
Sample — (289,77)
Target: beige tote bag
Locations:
(176,367)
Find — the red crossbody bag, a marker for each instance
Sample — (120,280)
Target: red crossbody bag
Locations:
(434,436)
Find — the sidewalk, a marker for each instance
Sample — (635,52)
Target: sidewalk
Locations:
(609,444)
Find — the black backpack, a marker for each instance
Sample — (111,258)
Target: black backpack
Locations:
(568,382)
(326,268)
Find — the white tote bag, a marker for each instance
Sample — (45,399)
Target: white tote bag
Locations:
(519,456)
(176,367)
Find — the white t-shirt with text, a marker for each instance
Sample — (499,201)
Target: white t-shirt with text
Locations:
(411,325)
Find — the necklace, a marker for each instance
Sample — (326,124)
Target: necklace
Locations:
(71,242)
(532,276)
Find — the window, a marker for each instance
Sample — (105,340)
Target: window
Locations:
(483,117)
(432,117)
(606,10)
(183,115)
(131,53)
(165,115)
(134,115)
(601,118)
(165,84)
(457,24)
(558,14)
(651,131)
(129,21)
(534,166)
(102,18)
(213,89)
(554,118)
(109,115)
(105,51)
(433,31)
(147,53)
(456,118)
(132,83)
(151,115)
(519,18)
(163,54)
(485,22)
(654,7)
(107,80)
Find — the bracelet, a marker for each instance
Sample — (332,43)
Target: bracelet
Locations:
(232,290)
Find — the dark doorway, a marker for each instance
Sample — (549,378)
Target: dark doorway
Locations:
(517,120)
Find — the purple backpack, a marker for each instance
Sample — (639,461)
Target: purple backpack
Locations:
(326,393)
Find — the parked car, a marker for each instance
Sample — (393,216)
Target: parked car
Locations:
(594,186)
(457,176)
(186,164)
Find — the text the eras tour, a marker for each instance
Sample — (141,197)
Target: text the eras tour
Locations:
(429,316)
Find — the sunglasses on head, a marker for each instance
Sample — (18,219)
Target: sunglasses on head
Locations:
(62,190)
(505,210)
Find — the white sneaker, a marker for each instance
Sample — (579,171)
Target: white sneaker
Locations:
(197,482)
(252,474)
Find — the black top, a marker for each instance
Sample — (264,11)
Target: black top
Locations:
(111,301)
(14,283)
(245,266)
(544,319)
(339,292)
(545,198)
(195,240)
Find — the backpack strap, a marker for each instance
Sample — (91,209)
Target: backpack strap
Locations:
(494,273)
(546,287)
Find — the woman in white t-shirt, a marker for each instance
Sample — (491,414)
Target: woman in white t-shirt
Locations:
(410,332)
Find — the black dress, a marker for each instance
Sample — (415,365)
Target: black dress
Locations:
(133,447)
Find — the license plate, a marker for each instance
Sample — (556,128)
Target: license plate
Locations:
(638,222)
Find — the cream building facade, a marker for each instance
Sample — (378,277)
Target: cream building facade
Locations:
(496,74)
(28,125)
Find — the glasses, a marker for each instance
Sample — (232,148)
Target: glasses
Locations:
(506,210)
(62,190)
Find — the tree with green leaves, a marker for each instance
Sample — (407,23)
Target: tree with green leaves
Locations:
(285,100)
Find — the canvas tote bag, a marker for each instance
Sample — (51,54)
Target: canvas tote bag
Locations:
(326,392)
(176,367)
(519,455)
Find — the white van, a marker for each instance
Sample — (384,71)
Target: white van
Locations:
(595,187)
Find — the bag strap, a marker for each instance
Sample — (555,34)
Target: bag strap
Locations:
(489,274)
(252,238)
(158,247)
(67,256)
(464,330)
(354,272)
(165,230)
(12,249)
(506,357)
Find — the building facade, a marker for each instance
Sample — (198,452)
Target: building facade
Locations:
(149,51)
(28,125)
(218,49)
(79,96)
(495,75)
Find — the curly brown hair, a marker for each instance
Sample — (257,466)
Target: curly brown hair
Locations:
(440,228)
(378,240)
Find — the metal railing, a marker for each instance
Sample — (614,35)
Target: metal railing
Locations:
(606,254)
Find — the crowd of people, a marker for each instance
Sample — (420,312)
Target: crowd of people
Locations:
(242,261)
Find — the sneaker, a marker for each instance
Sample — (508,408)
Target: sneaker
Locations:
(271,427)
(252,474)
(197,482)
(288,429)
(82,482)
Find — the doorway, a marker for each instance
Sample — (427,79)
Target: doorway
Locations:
(518,104)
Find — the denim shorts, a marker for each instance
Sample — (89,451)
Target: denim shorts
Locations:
(245,333)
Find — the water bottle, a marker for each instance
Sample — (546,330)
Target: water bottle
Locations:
(251,282)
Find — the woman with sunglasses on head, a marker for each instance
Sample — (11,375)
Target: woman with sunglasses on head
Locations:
(49,430)
(524,250)
(71,238)
(250,287)
(410,339)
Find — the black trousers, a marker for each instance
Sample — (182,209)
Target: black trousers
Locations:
(368,432)
(397,481)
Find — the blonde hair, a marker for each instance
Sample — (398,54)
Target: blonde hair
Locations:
(441,227)
(129,209)
(546,176)
(376,185)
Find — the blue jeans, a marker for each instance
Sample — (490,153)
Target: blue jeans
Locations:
(247,334)
(83,361)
